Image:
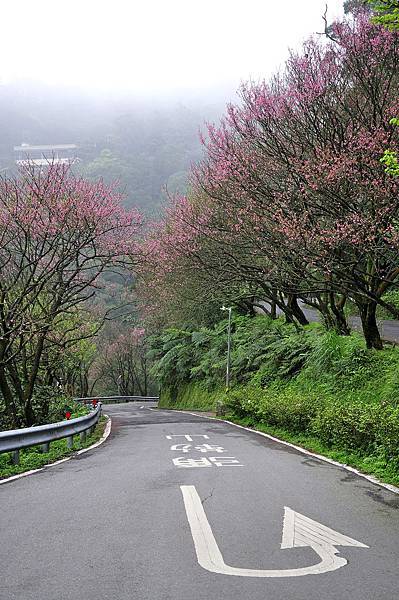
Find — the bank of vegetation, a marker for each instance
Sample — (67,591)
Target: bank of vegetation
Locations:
(315,387)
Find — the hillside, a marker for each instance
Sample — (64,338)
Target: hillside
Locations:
(146,145)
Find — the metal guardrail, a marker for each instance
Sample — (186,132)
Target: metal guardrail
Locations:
(17,439)
(116,399)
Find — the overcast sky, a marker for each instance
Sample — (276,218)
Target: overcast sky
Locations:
(152,46)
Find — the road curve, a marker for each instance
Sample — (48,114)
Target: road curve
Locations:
(135,519)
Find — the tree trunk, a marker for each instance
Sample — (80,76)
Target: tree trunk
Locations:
(332,312)
(292,303)
(84,385)
(29,414)
(337,309)
(371,333)
(273,309)
(8,400)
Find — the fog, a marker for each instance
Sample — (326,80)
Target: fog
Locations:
(131,83)
(156,46)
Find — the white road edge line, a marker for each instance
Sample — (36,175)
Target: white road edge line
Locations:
(392,488)
(105,435)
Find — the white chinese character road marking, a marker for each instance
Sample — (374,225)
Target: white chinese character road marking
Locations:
(298,530)
(225,461)
(189,437)
(209,448)
(183,462)
(181,447)
(217,461)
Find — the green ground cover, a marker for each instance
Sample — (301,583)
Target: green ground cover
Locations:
(190,397)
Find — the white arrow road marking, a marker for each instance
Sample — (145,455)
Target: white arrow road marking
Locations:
(298,530)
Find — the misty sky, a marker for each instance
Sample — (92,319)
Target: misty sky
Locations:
(153,46)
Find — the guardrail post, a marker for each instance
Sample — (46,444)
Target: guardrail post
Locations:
(15,457)
(45,447)
(82,437)
(70,442)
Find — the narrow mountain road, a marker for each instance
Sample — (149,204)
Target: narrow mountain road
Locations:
(176,506)
(389,329)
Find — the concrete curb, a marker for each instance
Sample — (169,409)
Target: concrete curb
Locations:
(105,435)
(370,478)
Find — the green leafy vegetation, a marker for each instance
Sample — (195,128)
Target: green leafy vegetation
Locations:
(312,386)
(190,396)
(390,158)
(386,13)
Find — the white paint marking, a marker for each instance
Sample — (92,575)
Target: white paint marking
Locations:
(225,461)
(183,462)
(189,437)
(209,448)
(298,530)
(181,447)
(371,478)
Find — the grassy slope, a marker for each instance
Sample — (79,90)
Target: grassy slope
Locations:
(191,397)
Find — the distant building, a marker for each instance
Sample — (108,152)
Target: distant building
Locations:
(42,156)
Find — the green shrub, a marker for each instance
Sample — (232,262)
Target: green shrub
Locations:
(387,435)
(288,410)
(338,355)
(280,408)
(243,401)
(351,426)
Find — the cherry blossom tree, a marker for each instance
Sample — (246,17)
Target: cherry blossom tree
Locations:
(299,162)
(291,197)
(123,366)
(58,234)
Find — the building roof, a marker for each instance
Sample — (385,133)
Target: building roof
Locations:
(45,162)
(28,147)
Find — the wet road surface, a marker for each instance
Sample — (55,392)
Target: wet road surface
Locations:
(176,506)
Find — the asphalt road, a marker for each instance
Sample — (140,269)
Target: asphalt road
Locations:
(115,522)
(389,329)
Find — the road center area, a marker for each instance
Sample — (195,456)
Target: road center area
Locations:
(179,506)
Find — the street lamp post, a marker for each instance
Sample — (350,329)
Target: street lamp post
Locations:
(229,309)
(119,385)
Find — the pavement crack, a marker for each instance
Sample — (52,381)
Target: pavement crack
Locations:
(207,497)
